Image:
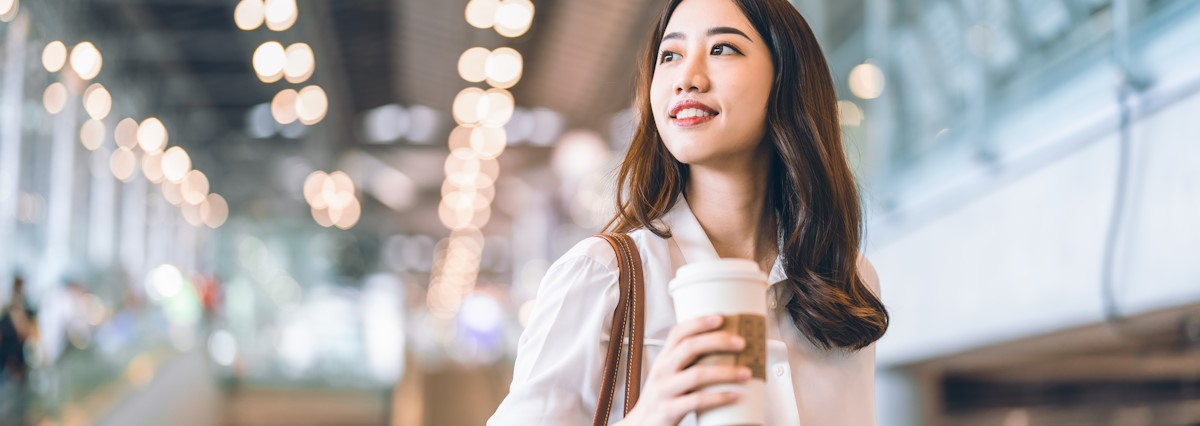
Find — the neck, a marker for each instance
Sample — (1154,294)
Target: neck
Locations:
(731,207)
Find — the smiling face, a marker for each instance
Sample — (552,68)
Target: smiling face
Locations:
(711,84)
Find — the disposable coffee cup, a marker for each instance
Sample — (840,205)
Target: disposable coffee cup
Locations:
(735,289)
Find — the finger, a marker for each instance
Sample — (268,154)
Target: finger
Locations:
(689,350)
(696,401)
(696,377)
(692,327)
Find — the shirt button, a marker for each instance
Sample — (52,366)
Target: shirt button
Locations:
(779,370)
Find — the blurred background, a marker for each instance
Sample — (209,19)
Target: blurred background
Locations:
(338,212)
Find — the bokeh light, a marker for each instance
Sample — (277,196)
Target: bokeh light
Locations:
(126,132)
(488,142)
(460,137)
(471,64)
(482,13)
(222,346)
(496,108)
(311,105)
(280,14)
(152,135)
(299,63)
(514,17)
(171,192)
(86,60)
(54,56)
(481,184)
(849,114)
(339,183)
(321,216)
(176,164)
(333,199)
(214,211)
(152,166)
(55,97)
(97,101)
(249,14)
(191,212)
(283,106)
(466,106)
(164,282)
(91,134)
(313,186)
(269,60)
(867,81)
(123,163)
(347,216)
(194,187)
(503,67)
(9,9)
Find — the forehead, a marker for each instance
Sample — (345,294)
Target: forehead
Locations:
(694,17)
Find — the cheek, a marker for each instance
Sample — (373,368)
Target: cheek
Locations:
(659,96)
(754,92)
(750,104)
(761,88)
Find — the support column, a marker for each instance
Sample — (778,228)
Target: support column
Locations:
(10,146)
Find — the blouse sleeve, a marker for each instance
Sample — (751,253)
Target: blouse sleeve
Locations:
(560,355)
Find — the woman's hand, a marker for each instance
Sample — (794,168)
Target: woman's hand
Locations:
(670,391)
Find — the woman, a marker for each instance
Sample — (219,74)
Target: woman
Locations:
(16,327)
(737,154)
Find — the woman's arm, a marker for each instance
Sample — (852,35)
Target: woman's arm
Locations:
(867,271)
(560,355)
(871,278)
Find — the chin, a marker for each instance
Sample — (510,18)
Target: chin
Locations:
(688,151)
(696,148)
(698,157)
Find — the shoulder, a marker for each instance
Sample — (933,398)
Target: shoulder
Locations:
(586,271)
(598,250)
(592,250)
(867,271)
(590,267)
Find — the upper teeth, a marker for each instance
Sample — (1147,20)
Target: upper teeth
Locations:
(693,112)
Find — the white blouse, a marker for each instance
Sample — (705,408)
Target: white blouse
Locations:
(560,356)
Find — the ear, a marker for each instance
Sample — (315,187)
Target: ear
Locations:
(867,271)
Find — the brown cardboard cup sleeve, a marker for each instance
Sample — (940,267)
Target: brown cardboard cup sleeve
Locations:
(753,328)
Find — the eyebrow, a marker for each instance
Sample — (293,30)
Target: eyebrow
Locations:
(711,32)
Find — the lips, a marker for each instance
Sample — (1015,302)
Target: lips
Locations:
(689,113)
(690,104)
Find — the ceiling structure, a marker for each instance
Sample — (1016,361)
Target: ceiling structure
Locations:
(192,63)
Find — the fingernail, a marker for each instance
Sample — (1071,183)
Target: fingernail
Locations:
(732,395)
(714,319)
(739,342)
(743,373)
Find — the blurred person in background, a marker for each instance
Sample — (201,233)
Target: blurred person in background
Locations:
(737,153)
(16,326)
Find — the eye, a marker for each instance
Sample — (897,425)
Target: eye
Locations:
(724,49)
(667,56)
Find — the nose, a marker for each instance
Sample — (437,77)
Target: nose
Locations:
(693,76)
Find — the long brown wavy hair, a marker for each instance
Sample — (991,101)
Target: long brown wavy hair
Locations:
(810,189)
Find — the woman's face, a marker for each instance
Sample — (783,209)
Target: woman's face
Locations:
(711,84)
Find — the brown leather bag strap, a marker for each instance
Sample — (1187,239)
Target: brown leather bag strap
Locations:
(628,314)
(637,328)
(616,335)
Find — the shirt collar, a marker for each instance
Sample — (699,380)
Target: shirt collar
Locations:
(693,242)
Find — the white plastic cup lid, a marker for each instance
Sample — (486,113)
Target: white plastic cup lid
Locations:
(720,269)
